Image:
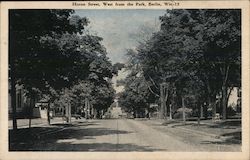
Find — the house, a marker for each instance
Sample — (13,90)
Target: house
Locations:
(24,105)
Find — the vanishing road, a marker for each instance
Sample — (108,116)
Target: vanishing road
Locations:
(119,135)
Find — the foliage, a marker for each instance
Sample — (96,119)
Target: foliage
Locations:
(50,52)
(195,52)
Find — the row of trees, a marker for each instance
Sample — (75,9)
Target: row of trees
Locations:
(53,56)
(194,57)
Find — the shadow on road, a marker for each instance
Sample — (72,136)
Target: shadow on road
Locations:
(56,137)
(93,147)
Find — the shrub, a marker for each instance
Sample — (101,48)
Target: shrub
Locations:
(178,113)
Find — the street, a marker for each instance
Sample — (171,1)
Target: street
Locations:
(118,135)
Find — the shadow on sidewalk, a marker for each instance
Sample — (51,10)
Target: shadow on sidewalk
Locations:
(230,124)
(228,139)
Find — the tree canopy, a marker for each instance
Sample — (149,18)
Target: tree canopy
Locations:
(51,51)
(195,53)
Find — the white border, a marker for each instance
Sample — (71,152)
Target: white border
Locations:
(4,154)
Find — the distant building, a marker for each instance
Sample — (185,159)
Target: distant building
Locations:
(234,99)
(40,109)
(115,110)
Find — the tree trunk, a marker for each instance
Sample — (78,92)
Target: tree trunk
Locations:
(229,93)
(162,102)
(173,104)
(87,106)
(224,102)
(211,99)
(170,111)
(205,111)
(30,112)
(183,110)
(48,115)
(202,112)
(224,71)
(165,111)
(13,101)
(164,95)
(199,114)
(211,103)
(69,112)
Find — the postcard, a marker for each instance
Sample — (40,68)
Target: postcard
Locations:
(125,80)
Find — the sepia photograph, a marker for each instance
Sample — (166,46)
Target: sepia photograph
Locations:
(125,80)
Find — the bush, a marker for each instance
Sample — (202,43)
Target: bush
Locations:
(178,113)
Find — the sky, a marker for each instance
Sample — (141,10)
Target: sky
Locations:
(119,30)
(116,27)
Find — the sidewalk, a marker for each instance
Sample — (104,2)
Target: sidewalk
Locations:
(24,123)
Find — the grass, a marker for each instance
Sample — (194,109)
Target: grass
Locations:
(230,129)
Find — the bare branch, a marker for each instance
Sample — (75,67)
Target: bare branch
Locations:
(166,97)
(157,95)
(150,89)
(153,82)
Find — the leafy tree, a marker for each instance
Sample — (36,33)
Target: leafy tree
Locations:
(137,94)
(102,97)
(35,57)
(195,53)
(93,75)
(224,48)
(211,55)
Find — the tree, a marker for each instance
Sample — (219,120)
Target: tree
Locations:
(210,55)
(224,48)
(92,75)
(182,54)
(33,51)
(162,59)
(136,96)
